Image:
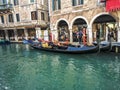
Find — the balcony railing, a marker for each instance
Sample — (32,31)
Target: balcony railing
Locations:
(6,6)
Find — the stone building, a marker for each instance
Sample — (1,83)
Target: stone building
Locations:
(67,17)
(113,7)
(23,19)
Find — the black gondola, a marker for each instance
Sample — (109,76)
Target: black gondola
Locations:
(4,42)
(69,49)
(105,47)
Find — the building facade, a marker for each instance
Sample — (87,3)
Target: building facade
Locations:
(67,17)
(23,19)
(113,7)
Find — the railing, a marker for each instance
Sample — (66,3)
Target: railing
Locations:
(6,6)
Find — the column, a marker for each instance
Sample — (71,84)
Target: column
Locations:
(38,32)
(26,34)
(16,36)
(6,35)
(71,36)
(89,35)
(54,35)
(118,29)
(46,35)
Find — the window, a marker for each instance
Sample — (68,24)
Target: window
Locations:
(56,4)
(101,2)
(16,2)
(34,15)
(4,1)
(2,19)
(10,16)
(77,2)
(32,1)
(17,17)
(42,2)
(42,16)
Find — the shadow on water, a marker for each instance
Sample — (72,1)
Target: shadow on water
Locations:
(29,69)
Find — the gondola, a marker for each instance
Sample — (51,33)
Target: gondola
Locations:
(4,42)
(27,41)
(104,46)
(68,49)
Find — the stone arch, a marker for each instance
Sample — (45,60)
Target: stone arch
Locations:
(79,24)
(96,16)
(81,17)
(101,26)
(62,28)
(56,25)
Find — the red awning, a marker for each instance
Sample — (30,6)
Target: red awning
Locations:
(112,5)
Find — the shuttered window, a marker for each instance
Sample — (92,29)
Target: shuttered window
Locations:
(17,17)
(32,1)
(56,4)
(16,2)
(10,16)
(34,15)
(2,19)
(42,16)
(77,2)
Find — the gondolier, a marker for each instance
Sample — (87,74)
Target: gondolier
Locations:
(79,36)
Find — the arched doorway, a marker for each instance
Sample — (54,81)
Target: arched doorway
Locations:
(11,35)
(103,27)
(79,25)
(2,34)
(63,31)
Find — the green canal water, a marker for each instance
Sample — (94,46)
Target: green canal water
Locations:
(23,68)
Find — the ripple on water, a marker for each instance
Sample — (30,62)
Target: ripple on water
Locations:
(23,68)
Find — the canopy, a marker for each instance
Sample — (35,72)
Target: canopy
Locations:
(112,5)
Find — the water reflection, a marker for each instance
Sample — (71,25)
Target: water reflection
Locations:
(29,69)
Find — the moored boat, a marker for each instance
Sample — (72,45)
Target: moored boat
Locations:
(104,46)
(4,42)
(68,49)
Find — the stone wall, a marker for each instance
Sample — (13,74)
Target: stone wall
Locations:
(69,12)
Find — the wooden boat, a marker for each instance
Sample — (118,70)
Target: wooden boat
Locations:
(68,49)
(27,41)
(4,42)
(104,46)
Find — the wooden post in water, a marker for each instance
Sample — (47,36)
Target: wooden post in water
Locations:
(116,49)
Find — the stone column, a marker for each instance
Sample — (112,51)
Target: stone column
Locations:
(26,34)
(38,32)
(118,26)
(46,37)
(89,35)
(118,34)
(6,35)
(71,36)
(54,35)
(16,35)
(106,36)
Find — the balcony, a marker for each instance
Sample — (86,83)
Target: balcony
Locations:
(5,7)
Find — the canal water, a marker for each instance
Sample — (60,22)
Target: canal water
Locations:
(23,68)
